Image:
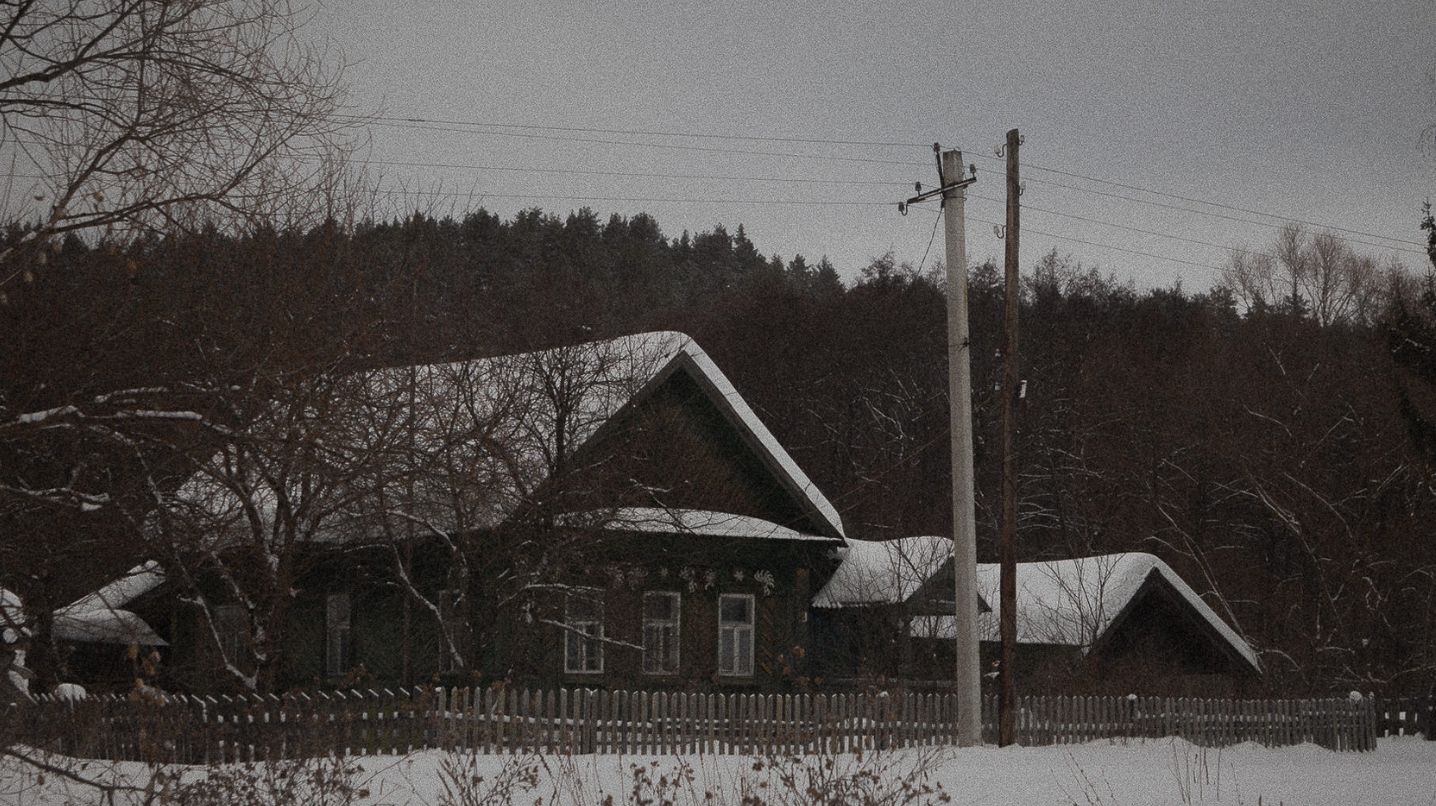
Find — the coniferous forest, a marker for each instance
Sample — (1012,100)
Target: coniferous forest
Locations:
(1274,454)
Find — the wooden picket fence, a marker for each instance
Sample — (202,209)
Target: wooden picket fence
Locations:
(1333,723)
(501,720)
(1405,716)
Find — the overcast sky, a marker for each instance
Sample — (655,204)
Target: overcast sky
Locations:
(1309,111)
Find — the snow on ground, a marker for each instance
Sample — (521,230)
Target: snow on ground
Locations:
(1401,772)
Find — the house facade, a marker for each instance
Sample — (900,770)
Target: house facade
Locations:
(607,515)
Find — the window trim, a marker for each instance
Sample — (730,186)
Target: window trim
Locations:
(590,645)
(338,635)
(231,625)
(670,665)
(447,603)
(743,631)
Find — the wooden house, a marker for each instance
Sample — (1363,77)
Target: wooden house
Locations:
(1115,623)
(611,514)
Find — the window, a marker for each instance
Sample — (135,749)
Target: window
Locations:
(336,633)
(231,622)
(451,627)
(583,640)
(735,634)
(660,632)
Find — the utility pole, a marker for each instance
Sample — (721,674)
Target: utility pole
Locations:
(964,529)
(1007,594)
(968,680)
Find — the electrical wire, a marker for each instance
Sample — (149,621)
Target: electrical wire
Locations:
(1154,233)
(634,174)
(1027,229)
(422,123)
(1193,200)
(670,146)
(1406,246)
(900,144)
(645,199)
(641,132)
(936,220)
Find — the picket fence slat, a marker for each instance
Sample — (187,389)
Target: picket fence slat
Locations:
(507,720)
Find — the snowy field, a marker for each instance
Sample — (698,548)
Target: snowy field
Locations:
(1402,772)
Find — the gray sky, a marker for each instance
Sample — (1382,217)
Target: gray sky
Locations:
(1273,111)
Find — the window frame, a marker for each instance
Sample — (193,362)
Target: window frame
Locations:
(231,626)
(656,661)
(582,649)
(447,603)
(338,634)
(742,638)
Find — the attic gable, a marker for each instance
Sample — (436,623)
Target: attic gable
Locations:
(474,443)
(676,447)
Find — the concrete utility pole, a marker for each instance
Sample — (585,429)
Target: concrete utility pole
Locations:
(1007,595)
(964,531)
(968,680)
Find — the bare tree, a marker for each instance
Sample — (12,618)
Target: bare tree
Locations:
(237,536)
(142,115)
(1317,274)
(480,461)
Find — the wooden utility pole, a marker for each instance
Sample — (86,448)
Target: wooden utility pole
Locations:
(968,679)
(1007,594)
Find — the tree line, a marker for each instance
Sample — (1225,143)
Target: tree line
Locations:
(1274,450)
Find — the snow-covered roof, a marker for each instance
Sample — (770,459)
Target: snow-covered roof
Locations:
(884,572)
(12,617)
(135,583)
(694,522)
(1075,602)
(96,617)
(104,626)
(491,429)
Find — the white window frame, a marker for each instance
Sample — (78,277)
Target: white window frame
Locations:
(583,638)
(735,638)
(661,635)
(338,643)
(448,615)
(231,623)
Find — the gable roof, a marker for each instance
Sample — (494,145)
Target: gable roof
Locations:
(1078,602)
(506,420)
(1073,603)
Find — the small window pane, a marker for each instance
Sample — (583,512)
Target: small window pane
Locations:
(660,632)
(659,606)
(583,606)
(737,608)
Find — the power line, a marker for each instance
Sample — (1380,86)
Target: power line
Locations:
(639,175)
(1110,246)
(704,149)
(1414,249)
(1141,231)
(446,125)
(645,199)
(644,132)
(1221,206)
(788,202)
